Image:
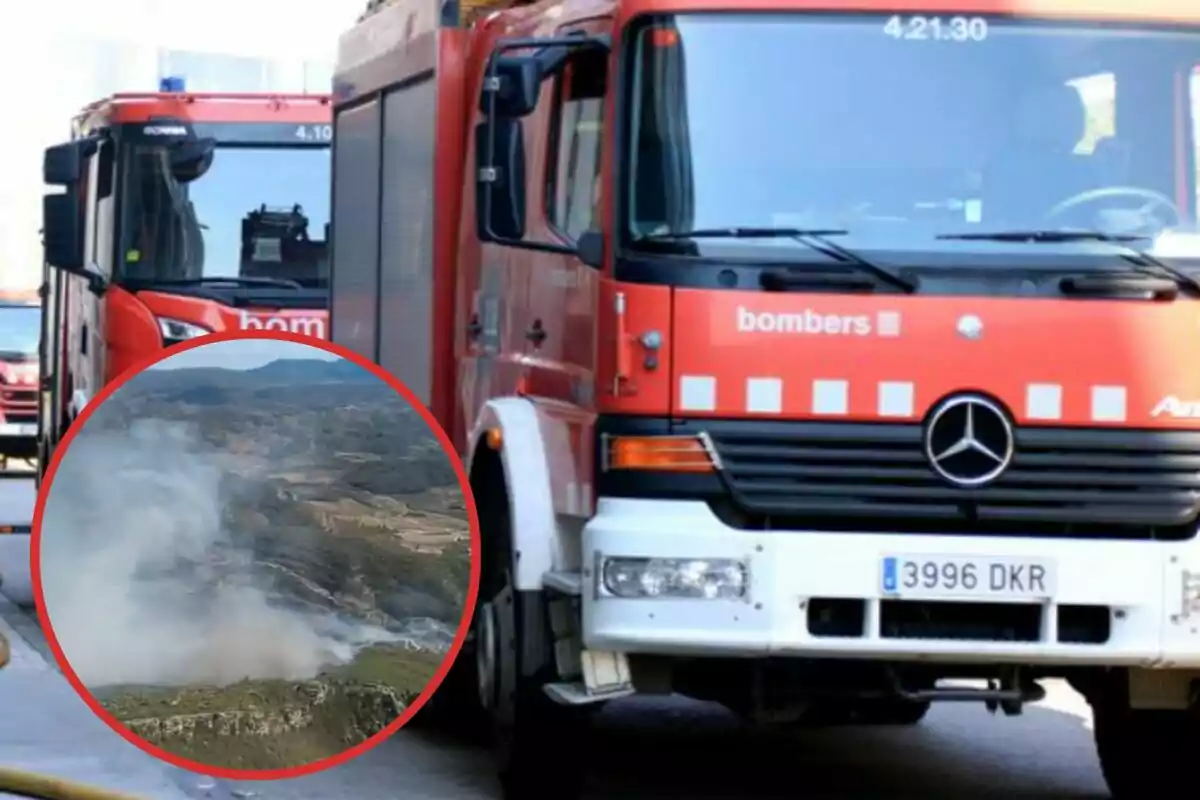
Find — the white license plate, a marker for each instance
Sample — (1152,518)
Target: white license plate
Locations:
(975,577)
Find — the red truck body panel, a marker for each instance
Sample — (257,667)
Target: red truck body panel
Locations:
(591,362)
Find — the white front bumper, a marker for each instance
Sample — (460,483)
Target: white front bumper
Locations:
(1142,582)
(18,430)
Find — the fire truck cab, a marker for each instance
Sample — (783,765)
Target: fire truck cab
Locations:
(180,214)
(804,355)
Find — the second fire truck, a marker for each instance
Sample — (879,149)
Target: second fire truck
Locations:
(180,214)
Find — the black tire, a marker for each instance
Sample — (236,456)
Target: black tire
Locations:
(1145,753)
(455,710)
(540,747)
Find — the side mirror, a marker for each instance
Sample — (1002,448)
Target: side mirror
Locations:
(511,89)
(191,158)
(62,230)
(500,180)
(62,165)
(62,238)
(515,82)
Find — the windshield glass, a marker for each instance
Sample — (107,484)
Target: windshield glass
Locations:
(900,129)
(20,327)
(257,212)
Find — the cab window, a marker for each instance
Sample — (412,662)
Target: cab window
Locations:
(573,179)
(1196,128)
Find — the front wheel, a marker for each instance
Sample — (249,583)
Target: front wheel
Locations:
(1145,753)
(540,746)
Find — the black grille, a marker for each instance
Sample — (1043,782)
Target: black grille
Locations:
(874,477)
(18,395)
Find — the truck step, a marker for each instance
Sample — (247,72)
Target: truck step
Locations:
(569,583)
(576,694)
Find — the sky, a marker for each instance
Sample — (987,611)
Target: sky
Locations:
(86,50)
(242,354)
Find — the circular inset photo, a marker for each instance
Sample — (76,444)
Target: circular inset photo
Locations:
(255,558)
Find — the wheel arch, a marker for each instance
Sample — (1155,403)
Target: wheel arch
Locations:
(524,469)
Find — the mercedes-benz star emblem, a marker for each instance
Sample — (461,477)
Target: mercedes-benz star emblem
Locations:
(969,440)
(970,326)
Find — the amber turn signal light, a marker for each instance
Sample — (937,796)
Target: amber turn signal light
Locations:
(658,453)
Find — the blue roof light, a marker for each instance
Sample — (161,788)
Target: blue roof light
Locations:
(172,83)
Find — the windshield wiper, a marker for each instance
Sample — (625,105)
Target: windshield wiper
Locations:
(815,238)
(1040,236)
(237,281)
(1148,263)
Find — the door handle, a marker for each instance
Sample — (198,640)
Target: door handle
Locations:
(536,333)
(474,328)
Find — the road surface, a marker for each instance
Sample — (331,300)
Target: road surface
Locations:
(648,750)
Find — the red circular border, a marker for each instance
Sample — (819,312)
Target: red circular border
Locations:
(315,766)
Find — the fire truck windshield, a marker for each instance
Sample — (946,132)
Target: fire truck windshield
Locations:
(20,327)
(903,131)
(259,214)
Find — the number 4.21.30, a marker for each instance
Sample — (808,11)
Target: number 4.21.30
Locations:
(936,29)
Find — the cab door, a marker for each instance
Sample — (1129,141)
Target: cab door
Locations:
(559,324)
(84,333)
(51,416)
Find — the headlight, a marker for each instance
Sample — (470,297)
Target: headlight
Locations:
(682,578)
(1191,594)
(175,331)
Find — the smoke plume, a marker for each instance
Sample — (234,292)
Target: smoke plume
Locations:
(144,583)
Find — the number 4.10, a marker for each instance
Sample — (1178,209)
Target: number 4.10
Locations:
(315,133)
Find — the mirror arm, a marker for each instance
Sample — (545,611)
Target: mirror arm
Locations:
(97,281)
(551,59)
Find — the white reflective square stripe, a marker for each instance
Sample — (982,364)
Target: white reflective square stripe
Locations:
(887,323)
(764,395)
(697,393)
(1108,404)
(1043,401)
(896,399)
(572,499)
(830,396)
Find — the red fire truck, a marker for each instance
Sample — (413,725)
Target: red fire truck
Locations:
(182,214)
(20,325)
(805,354)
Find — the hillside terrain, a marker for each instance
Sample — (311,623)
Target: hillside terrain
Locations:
(337,501)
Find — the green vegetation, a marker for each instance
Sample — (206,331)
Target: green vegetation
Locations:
(348,510)
(266,724)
